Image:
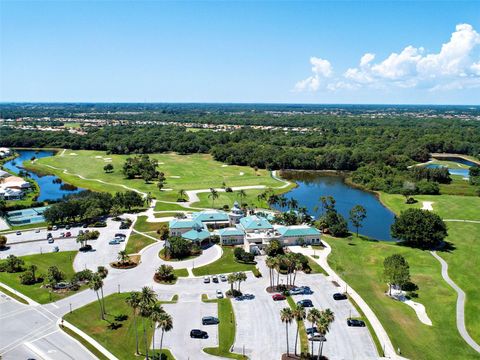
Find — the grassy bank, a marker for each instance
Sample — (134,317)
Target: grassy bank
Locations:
(226,264)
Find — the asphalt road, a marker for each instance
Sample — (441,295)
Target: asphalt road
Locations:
(32,332)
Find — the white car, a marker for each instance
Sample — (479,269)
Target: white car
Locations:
(206,279)
(219,294)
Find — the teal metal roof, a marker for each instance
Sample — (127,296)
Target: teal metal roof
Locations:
(210,216)
(298,231)
(184,224)
(196,235)
(255,223)
(230,232)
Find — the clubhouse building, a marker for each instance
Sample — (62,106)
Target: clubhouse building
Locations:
(254,232)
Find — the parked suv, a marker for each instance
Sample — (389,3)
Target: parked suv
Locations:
(339,296)
(305,303)
(210,320)
(198,334)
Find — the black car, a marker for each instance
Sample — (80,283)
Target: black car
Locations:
(305,303)
(198,334)
(339,296)
(210,320)
(312,330)
(355,322)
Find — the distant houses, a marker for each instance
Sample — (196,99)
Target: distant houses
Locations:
(254,232)
(11,187)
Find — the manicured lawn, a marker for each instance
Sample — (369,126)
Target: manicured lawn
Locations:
(180,272)
(226,264)
(63,260)
(447,206)
(120,342)
(360,263)
(188,172)
(143,226)
(161,206)
(226,331)
(464,260)
(464,269)
(165,214)
(137,242)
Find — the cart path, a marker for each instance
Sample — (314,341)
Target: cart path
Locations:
(460,304)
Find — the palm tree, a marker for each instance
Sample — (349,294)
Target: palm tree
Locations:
(96,284)
(270,262)
(102,271)
(299,315)
(148,297)
(181,194)
(213,195)
(156,312)
(292,204)
(272,200)
(323,326)
(286,315)
(166,324)
(241,276)
(232,279)
(282,201)
(242,195)
(122,256)
(33,268)
(133,300)
(313,316)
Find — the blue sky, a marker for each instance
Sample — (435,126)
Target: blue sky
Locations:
(295,52)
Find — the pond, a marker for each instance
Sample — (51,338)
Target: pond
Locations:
(313,185)
(51,187)
(454,171)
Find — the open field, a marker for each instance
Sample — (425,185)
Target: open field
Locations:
(63,260)
(143,226)
(447,206)
(226,264)
(137,242)
(188,172)
(120,342)
(360,263)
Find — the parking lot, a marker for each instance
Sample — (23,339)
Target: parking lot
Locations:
(31,242)
(187,315)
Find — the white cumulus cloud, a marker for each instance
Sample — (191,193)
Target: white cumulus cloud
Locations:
(455,66)
(321,68)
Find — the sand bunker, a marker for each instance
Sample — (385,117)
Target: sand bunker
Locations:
(73,154)
(241,173)
(98,157)
(224,165)
(175,177)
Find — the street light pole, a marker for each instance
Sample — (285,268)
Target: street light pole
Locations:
(119,288)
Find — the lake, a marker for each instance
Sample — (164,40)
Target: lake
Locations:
(51,187)
(313,185)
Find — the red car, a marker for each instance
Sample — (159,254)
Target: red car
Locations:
(278,297)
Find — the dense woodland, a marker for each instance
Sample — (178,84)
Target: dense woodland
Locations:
(378,150)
